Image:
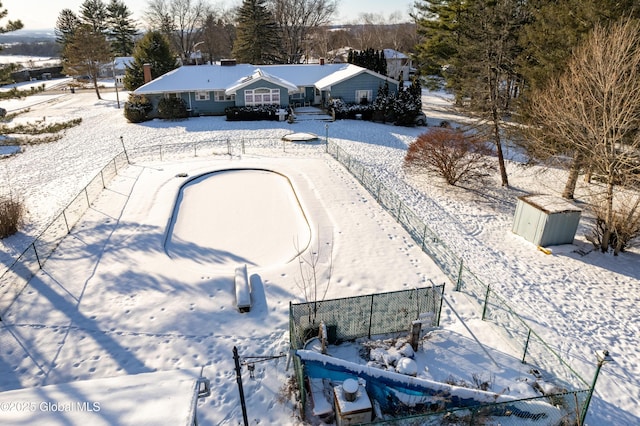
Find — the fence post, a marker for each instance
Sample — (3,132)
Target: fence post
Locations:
(370,316)
(86,195)
(440,308)
(195,149)
(486,300)
(36,253)
(399,210)
(526,346)
(242,143)
(66,222)
(228,147)
(102,178)
(459,281)
(124,149)
(243,405)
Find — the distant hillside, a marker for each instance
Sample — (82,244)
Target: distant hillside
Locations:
(30,43)
(28,36)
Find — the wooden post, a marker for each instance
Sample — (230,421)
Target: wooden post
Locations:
(416,326)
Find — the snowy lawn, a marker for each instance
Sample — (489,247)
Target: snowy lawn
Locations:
(110,302)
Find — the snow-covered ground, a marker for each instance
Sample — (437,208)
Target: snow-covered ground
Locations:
(110,302)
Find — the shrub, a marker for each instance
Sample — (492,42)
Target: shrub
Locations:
(11,214)
(137,108)
(172,109)
(350,111)
(625,226)
(452,154)
(252,113)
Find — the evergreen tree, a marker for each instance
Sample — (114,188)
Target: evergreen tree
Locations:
(85,52)
(556,28)
(437,24)
(257,34)
(218,35)
(382,63)
(383,103)
(11,25)
(153,48)
(408,103)
(369,58)
(66,25)
(121,28)
(94,13)
(485,62)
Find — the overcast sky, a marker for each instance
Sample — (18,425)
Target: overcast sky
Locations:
(44,14)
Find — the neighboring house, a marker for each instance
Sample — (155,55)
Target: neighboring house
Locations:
(120,65)
(399,65)
(210,89)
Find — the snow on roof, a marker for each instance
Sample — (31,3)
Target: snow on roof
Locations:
(197,78)
(121,62)
(549,203)
(258,75)
(231,78)
(394,54)
(348,71)
(149,398)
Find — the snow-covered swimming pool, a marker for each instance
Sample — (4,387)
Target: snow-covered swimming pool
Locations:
(234,216)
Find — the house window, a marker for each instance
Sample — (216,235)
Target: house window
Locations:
(170,95)
(262,96)
(202,96)
(363,96)
(220,96)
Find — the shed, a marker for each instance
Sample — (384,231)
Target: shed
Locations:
(546,220)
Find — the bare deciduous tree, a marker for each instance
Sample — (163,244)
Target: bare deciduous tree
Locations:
(297,19)
(180,20)
(314,285)
(593,111)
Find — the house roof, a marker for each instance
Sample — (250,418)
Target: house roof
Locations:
(121,62)
(259,75)
(346,72)
(394,54)
(230,78)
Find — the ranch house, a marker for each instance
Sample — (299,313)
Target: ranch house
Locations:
(210,89)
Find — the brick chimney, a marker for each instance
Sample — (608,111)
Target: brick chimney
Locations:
(147,73)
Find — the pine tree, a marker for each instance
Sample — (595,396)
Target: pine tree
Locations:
(11,25)
(66,25)
(94,13)
(153,48)
(121,28)
(85,53)
(382,65)
(437,25)
(257,35)
(556,28)
(383,102)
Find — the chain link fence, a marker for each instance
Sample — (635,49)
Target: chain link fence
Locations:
(353,317)
(544,361)
(33,258)
(227,147)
